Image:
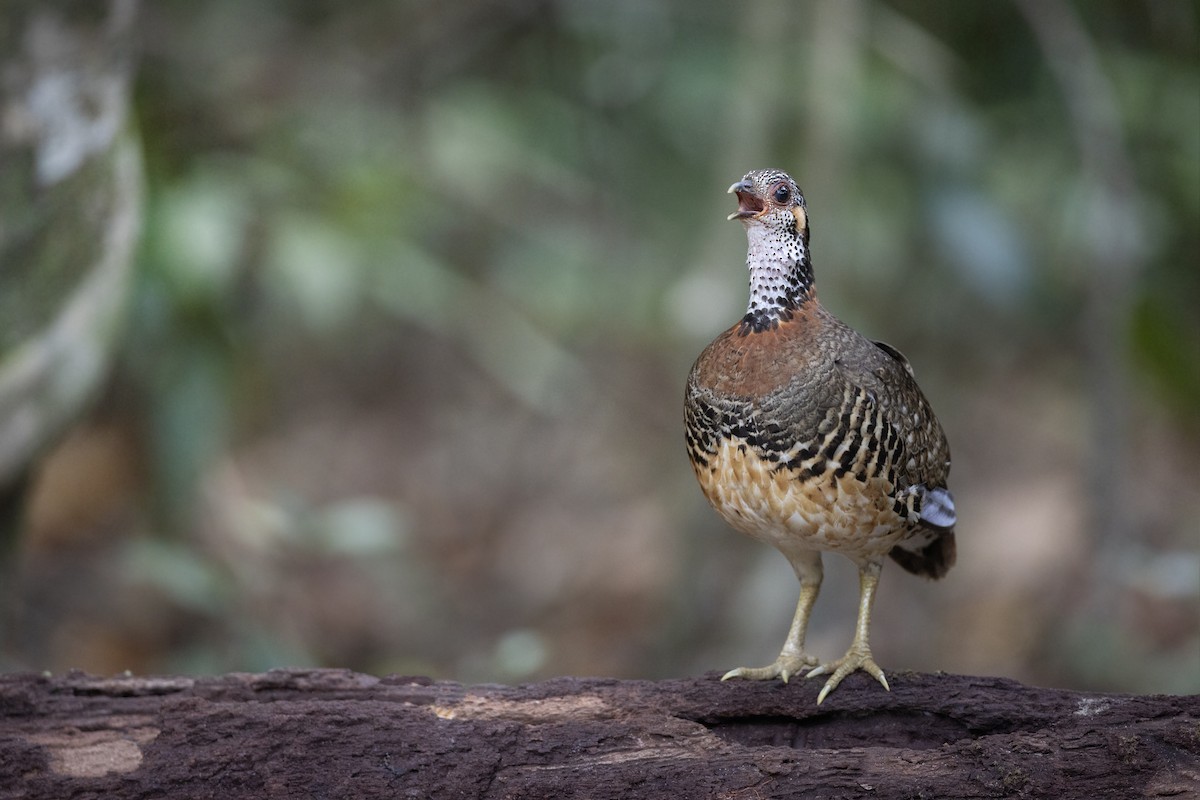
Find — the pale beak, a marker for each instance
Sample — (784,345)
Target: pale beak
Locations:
(748,203)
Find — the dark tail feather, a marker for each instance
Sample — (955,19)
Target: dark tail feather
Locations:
(933,560)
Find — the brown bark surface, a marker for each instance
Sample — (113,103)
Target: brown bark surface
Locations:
(338,734)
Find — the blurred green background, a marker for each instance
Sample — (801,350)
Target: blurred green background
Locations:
(420,283)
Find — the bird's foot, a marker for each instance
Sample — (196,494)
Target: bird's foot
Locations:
(784,668)
(856,658)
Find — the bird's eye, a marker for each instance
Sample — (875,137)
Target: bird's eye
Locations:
(782,193)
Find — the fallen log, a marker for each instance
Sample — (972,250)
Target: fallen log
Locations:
(339,734)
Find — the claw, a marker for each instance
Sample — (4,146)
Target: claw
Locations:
(853,660)
(785,668)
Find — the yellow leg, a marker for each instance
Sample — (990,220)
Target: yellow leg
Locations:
(792,658)
(859,654)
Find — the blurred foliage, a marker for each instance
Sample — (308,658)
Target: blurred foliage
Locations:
(421,282)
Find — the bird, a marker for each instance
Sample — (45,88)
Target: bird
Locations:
(812,438)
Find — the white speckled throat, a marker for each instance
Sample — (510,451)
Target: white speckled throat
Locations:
(781,276)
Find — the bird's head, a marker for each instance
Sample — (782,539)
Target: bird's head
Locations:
(770,197)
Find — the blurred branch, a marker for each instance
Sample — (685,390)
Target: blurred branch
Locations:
(70,201)
(765,71)
(835,72)
(1113,257)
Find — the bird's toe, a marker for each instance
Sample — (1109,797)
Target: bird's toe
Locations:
(784,668)
(855,659)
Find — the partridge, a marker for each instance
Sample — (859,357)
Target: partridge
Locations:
(807,436)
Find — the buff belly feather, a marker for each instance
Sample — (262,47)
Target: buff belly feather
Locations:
(777,506)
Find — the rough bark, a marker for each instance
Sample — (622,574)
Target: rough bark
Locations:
(338,734)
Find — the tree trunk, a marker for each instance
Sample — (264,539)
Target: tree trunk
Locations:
(338,734)
(70,191)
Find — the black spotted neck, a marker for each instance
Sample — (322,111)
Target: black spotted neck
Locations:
(781,277)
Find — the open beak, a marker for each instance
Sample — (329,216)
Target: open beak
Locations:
(749,204)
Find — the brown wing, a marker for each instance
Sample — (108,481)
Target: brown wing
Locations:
(920,454)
